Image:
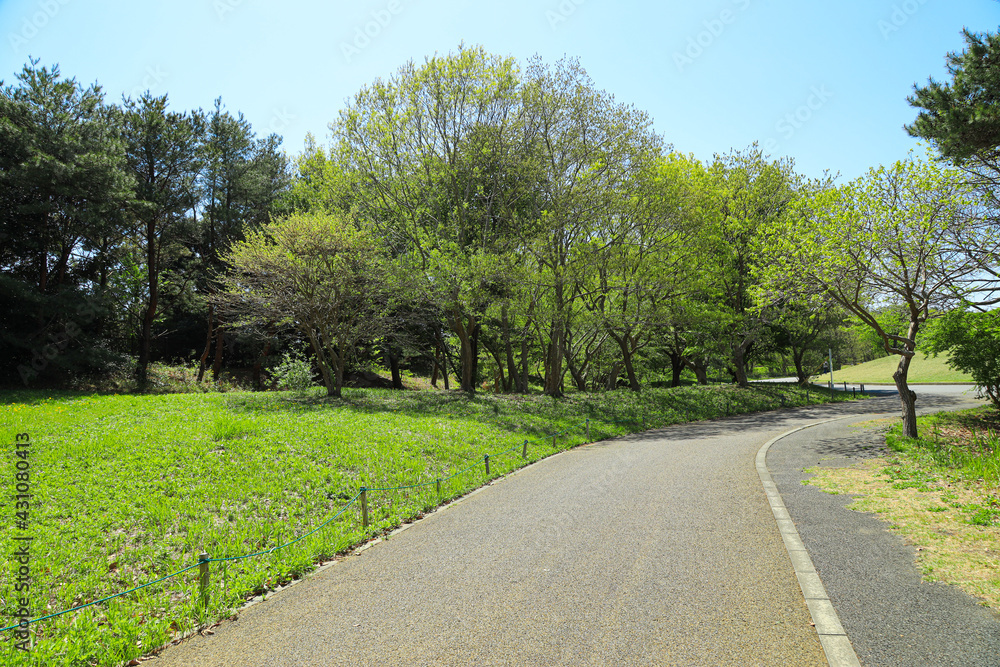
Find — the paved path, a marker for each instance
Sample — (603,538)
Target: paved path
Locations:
(653,549)
(892,617)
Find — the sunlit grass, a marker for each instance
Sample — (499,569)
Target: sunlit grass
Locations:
(923,369)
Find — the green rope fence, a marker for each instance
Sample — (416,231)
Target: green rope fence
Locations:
(204,560)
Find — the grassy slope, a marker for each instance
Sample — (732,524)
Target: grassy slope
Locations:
(131,488)
(923,369)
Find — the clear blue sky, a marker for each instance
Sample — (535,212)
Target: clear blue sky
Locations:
(825,83)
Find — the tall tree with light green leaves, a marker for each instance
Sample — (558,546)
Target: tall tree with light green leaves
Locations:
(643,256)
(754,193)
(591,151)
(438,148)
(885,239)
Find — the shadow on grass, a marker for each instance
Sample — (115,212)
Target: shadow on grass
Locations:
(538,415)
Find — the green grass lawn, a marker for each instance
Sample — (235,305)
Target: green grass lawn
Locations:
(923,369)
(128,489)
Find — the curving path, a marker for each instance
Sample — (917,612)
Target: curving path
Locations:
(658,548)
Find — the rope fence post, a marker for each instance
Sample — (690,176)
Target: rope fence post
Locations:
(364,506)
(486,459)
(588,429)
(439,485)
(554,440)
(524,450)
(203,580)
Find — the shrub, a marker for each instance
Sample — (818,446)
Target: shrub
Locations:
(295,372)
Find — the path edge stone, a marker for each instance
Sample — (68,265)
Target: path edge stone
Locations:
(833,637)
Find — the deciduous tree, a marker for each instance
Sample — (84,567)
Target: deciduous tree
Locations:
(885,239)
(318,273)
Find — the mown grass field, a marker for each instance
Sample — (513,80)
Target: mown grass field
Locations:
(923,369)
(941,492)
(128,489)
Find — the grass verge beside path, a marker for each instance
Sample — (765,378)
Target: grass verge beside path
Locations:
(941,493)
(127,489)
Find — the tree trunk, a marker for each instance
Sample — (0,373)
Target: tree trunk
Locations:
(740,366)
(700,370)
(444,360)
(464,333)
(146,335)
(509,351)
(330,380)
(392,361)
(208,343)
(800,373)
(612,381)
(579,379)
(474,341)
(554,362)
(906,397)
(676,367)
(624,344)
(434,372)
(523,380)
(220,341)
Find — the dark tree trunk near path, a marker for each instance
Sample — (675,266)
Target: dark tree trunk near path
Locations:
(208,343)
(676,368)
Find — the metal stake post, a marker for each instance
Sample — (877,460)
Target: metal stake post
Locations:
(203,580)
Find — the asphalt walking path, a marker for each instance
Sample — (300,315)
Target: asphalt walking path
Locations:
(659,548)
(891,616)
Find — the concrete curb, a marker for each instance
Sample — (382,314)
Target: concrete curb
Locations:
(836,645)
